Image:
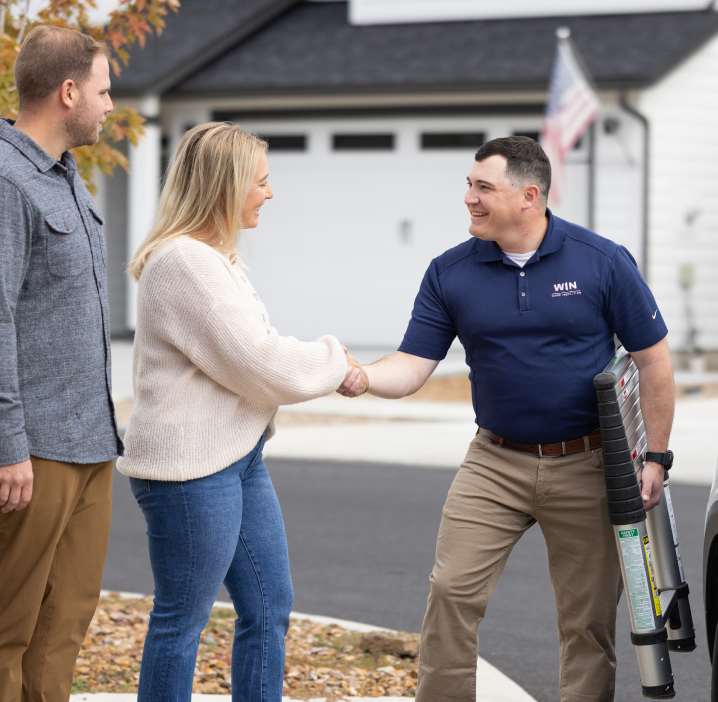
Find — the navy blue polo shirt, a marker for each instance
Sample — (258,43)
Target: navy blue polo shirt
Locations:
(536,336)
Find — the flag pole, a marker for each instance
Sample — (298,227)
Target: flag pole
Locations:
(563,35)
(572,106)
(592,177)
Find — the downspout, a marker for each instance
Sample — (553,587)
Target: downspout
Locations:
(646,157)
(592,176)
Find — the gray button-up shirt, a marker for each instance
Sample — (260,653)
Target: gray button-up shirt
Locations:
(55,384)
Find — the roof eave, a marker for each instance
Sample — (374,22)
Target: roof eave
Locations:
(691,51)
(511,92)
(209,53)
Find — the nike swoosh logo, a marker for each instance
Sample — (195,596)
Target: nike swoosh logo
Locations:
(655,313)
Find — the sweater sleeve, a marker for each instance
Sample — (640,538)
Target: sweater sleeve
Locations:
(195,305)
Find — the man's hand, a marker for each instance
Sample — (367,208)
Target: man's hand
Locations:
(651,485)
(15,486)
(355,382)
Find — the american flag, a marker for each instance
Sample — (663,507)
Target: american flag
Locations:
(572,107)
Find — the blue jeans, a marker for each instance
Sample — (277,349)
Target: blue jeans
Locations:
(227,527)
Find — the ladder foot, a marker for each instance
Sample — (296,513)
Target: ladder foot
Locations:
(659,692)
(682,645)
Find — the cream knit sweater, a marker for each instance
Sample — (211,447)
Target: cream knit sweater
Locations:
(208,370)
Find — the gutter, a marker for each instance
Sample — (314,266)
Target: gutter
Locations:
(646,158)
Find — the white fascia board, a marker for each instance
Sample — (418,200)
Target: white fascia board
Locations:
(410,11)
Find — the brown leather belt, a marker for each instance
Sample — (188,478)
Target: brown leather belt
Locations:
(562,449)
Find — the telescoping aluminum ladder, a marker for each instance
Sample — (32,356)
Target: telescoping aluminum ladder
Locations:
(656,591)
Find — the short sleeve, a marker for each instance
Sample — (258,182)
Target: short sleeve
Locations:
(631,309)
(431,330)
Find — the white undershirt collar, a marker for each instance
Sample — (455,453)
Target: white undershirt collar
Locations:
(520,259)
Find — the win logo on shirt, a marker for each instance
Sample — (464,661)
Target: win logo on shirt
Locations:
(565,289)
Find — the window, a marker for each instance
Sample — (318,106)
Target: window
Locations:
(452,140)
(363,142)
(286,142)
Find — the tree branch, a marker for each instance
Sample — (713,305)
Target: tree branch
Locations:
(23,21)
(3,10)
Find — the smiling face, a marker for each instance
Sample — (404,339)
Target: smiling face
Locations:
(260,191)
(91,105)
(495,204)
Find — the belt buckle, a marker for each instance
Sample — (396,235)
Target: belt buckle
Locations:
(563,450)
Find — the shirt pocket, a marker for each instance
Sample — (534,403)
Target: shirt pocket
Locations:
(68,250)
(100,223)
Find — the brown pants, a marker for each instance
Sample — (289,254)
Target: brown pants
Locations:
(52,554)
(496,496)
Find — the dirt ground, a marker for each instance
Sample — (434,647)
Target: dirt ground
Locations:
(322,661)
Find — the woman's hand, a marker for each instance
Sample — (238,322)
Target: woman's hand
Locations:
(356,381)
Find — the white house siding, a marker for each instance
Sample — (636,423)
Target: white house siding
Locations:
(683,112)
(619,178)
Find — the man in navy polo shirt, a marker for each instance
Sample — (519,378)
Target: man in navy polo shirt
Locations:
(535,301)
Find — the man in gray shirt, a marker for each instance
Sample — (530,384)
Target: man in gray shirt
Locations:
(58,432)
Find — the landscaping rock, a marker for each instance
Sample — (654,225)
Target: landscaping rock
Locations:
(392,643)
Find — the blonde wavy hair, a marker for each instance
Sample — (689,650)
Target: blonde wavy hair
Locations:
(205,190)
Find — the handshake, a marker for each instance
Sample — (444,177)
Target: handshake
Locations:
(356,381)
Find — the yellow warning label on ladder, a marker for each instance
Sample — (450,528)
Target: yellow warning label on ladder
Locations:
(652,575)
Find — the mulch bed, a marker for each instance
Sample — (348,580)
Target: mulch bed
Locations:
(322,661)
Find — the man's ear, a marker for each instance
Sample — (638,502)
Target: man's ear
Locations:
(69,93)
(532,195)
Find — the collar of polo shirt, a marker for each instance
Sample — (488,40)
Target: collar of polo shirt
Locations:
(553,240)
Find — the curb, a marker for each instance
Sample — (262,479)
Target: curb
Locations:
(316,618)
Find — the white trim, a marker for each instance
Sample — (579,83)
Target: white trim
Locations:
(412,11)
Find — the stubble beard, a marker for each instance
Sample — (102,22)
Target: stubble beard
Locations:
(82,130)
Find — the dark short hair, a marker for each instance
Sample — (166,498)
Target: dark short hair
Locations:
(48,57)
(526,161)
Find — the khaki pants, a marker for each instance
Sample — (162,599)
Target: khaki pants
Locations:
(52,554)
(496,496)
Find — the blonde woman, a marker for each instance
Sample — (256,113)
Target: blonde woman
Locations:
(209,373)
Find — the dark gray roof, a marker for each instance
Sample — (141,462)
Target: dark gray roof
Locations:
(199,32)
(312,47)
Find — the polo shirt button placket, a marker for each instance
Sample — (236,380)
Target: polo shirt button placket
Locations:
(524,305)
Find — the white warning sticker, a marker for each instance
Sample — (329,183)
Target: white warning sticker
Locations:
(669,504)
(636,579)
